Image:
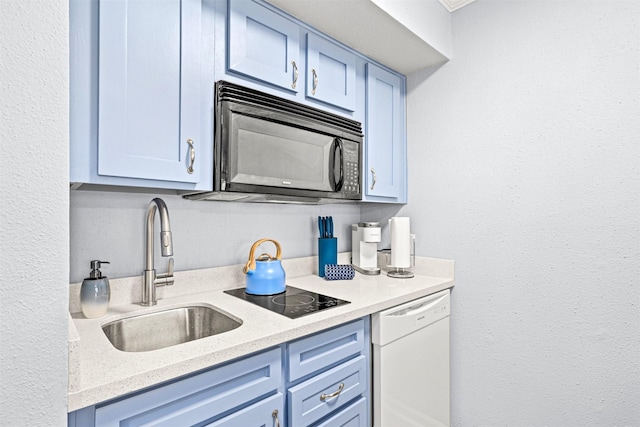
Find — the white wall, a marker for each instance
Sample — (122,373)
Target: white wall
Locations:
(523,168)
(429,19)
(524,156)
(34,209)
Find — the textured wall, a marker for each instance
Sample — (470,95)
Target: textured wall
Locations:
(524,161)
(523,168)
(34,242)
(111,227)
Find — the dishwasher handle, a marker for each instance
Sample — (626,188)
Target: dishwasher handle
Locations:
(397,322)
(419,308)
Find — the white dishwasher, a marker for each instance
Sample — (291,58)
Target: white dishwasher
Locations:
(411,363)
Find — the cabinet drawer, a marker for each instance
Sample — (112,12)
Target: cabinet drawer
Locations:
(354,415)
(263,413)
(326,392)
(199,398)
(311,354)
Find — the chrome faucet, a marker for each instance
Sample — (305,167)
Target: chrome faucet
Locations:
(149,278)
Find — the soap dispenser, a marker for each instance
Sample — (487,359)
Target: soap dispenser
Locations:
(95,292)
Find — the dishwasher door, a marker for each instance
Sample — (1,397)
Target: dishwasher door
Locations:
(411,363)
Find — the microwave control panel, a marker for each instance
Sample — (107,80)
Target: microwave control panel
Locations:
(351,157)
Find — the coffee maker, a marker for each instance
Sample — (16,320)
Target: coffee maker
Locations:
(364,247)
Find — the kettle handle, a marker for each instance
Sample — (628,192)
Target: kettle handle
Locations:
(251,263)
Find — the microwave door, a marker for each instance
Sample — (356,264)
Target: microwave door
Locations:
(272,154)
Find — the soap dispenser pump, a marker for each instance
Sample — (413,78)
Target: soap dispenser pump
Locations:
(95,292)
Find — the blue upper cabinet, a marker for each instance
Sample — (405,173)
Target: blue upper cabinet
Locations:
(148,111)
(275,53)
(385,173)
(136,112)
(263,45)
(331,73)
(142,78)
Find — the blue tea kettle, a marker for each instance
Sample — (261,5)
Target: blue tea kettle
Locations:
(265,275)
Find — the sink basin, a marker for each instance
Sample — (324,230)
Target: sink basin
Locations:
(167,328)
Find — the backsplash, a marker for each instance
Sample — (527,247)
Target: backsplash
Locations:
(110,226)
(128,290)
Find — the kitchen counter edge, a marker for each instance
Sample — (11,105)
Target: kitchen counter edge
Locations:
(98,372)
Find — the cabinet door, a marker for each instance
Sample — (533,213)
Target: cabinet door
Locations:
(331,73)
(200,398)
(263,45)
(385,173)
(266,413)
(149,108)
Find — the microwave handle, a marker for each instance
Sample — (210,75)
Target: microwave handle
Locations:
(337,148)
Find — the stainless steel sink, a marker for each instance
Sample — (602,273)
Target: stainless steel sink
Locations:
(166,328)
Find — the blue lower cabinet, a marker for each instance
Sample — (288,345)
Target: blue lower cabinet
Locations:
(199,398)
(328,377)
(325,382)
(354,415)
(267,412)
(325,393)
(317,352)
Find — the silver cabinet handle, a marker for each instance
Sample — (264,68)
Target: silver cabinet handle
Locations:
(192,155)
(274,414)
(295,74)
(315,81)
(373,176)
(324,397)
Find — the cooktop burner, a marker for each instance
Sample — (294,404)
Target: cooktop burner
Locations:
(293,302)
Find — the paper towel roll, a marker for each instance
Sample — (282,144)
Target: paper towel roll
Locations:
(400,242)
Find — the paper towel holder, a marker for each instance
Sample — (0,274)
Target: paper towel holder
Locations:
(402,247)
(403,272)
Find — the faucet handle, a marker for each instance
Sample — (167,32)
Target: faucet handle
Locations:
(165,279)
(170,268)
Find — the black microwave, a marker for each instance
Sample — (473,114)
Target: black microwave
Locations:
(271,149)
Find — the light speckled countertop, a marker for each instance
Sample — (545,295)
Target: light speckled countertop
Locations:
(98,372)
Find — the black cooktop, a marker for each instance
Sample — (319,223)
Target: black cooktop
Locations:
(293,302)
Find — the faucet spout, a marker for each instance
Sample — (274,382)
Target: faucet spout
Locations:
(150,280)
(166,244)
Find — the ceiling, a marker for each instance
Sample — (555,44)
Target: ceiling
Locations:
(358,24)
(452,5)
